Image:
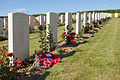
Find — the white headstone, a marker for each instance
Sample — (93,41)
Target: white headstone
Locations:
(1,25)
(68,20)
(85,19)
(31,21)
(90,18)
(52,21)
(45,19)
(41,20)
(62,18)
(5,22)
(78,23)
(96,16)
(74,17)
(116,15)
(18,34)
(93,16)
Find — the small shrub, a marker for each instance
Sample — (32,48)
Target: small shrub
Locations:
(60,24)
(59,50)
(2,38)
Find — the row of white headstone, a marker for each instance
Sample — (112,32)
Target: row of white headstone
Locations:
(3,24)
(18,29)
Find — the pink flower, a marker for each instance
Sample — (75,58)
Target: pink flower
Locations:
(10,54)
(36,21)
(19,63)
(19,60)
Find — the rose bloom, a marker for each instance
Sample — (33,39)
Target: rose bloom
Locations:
(64,33)
(9,54)
(71,37)
(74,42)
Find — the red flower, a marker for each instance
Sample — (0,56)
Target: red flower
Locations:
(64,33)
(74,42)
(7,68)
(13,68)
(85,26)
(3,47)
(9,54)
(73,33)
(70,33)
(90,27)
(27,62)
(71,37)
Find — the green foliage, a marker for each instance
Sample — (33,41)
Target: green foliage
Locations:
(60,24)
(59,50)
(68,36)
(74,21)
(99,58)
(43,38)
(2,38)
(50,40)
(6,31)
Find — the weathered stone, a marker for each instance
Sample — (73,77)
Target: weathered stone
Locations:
(68,20)
(85,19)
(62,18)
(52,21)
(78,23)
(1,25)
(18,34)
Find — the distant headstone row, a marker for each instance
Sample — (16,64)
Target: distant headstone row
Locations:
(18,27)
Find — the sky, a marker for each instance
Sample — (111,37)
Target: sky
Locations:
(43,6)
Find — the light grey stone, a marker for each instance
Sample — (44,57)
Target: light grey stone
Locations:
(62,18)
(1,25)
(93,16)
(45,19)
(96,16)
(41,20)
(18,34)
(90,18)
(51,19)
(68,20)
(5,22)
(31,21)
(85,19)
(74,17)
(78,23)
(116,15)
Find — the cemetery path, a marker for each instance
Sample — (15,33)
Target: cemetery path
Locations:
(98,59)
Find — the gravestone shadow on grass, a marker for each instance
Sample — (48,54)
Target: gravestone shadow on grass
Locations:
(43,76)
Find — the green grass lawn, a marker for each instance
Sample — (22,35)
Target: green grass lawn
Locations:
(98,59)
(34,38)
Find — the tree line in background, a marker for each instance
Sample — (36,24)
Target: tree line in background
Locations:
(106,11)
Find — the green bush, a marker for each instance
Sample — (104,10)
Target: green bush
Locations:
(60,24)
(2,38)
(59,50)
